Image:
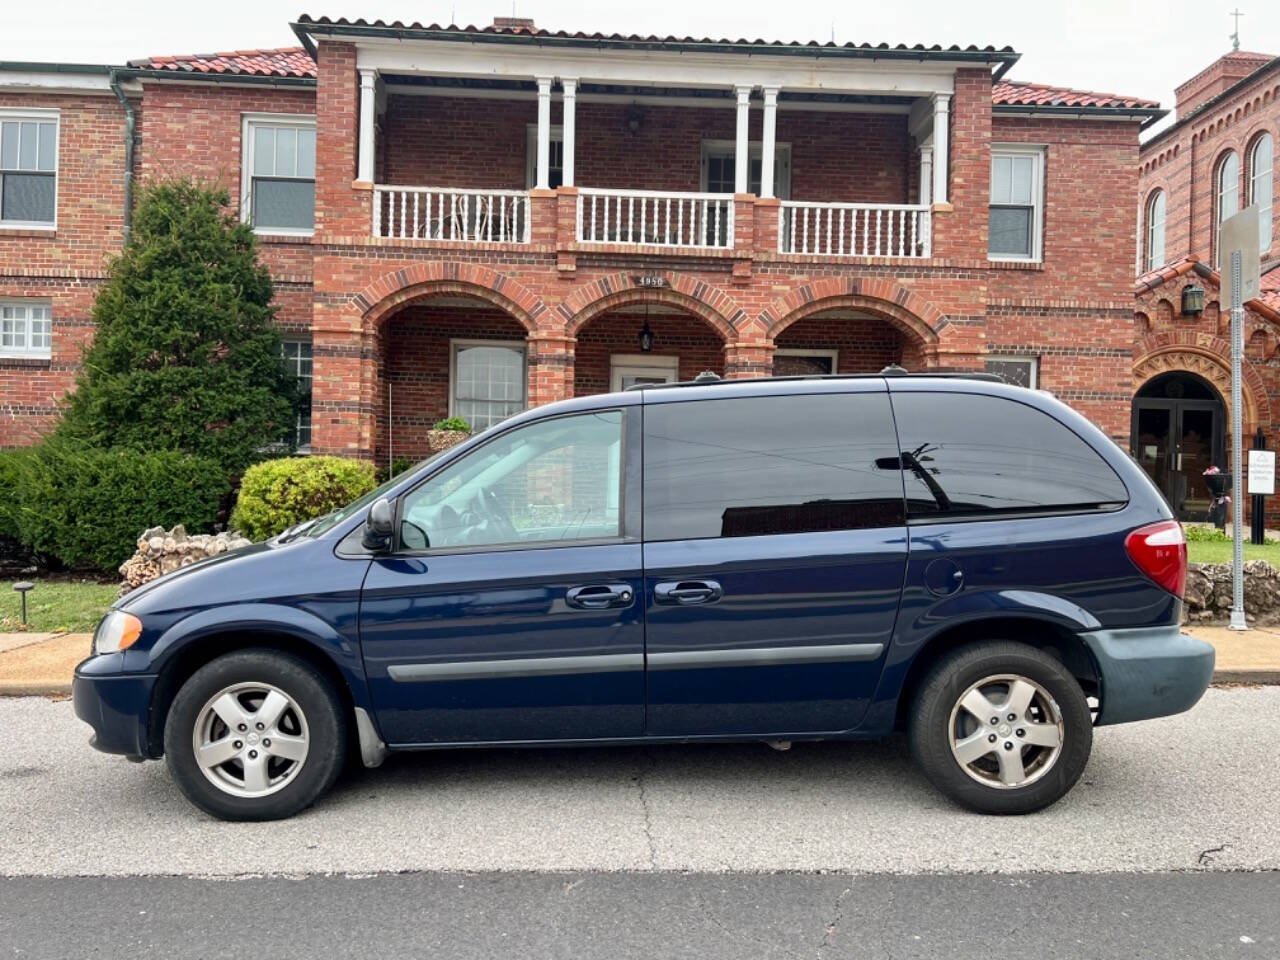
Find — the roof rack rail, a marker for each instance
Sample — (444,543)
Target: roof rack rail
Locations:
(702,380)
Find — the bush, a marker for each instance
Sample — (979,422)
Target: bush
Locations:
(452,423)
(11,462)
(84,508)
(276,494)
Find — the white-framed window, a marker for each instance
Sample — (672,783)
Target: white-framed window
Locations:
(298,359)
(1017,203)
(1262,185)
(1155,230)
(28,168)
(1226,196)
(1020,371)
(804,362)
(556,156)
(486,381)
(719,166)
(278,174)
(26,329)
(629,369)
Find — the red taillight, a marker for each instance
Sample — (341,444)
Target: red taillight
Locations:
(1160,551)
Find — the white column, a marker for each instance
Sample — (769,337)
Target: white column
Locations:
(926,173)
(368,117)
(740,155)
(569,106)
(543,180)
(941,131)
(769,141)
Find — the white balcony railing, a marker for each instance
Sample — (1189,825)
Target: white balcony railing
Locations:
(445,213)
(654,218)
(854,229)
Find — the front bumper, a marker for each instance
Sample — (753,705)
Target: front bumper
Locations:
(1149,672)
(116,705)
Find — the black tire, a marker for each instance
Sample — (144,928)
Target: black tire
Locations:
(929,728)
(326,729)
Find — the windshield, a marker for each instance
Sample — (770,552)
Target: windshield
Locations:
(331,520)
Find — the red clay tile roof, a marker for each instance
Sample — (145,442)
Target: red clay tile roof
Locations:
(281,62)
(1269,289)
(1267,302)
(1019,93)
(305,21)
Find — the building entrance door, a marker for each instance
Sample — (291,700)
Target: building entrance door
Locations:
(1178,433)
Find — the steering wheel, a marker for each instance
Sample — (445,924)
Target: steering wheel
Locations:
(492,523)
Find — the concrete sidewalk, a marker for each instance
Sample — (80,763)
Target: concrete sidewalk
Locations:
(41,664)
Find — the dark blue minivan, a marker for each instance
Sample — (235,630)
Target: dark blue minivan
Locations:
(775,560)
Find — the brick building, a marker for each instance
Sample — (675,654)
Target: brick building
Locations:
(472,220)
(1219,156)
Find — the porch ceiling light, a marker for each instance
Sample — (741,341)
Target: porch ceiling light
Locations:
(646,337)
(1192,301)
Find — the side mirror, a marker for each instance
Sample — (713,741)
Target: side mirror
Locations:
(379,525)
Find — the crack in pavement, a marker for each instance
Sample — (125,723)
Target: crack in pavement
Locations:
(837,914)
(1205,860)
(648,813)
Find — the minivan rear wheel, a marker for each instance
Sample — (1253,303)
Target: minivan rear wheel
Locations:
(255,735)
(1001,727)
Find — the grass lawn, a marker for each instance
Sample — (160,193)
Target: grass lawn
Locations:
(1200,551)
(56,605)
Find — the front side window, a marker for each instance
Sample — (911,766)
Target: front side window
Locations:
(28,170)
(1155,230)
(1262,186)
(550,481)
(972,455)
(26,330)
(1017,200)
(770,465)
(280,175)
(1228,196)
(487,382)
(555,158)
(297,358)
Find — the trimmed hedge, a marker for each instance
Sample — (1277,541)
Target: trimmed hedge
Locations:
(84,508)
(276,494)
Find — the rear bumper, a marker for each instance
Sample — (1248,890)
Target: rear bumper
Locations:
(1149,672)
(115,705)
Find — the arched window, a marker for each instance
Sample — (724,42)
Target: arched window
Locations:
(1228,188)
(1262,186)
(1155,230)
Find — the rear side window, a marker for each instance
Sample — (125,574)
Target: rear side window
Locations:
(770,465)
(971,454)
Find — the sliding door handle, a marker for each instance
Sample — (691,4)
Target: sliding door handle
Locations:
(687,592)
(599,596)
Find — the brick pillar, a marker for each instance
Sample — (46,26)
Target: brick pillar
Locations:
(748,358)
(341,211)
(544,218)
(766,224)
(343,418)
(566,231)
(550,367)
(960,226)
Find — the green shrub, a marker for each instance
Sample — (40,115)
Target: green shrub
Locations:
(276,494)
(84,508)
(452,423)
(11,462)
(1204,534)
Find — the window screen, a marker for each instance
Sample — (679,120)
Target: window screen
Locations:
(970,454)
(769,465)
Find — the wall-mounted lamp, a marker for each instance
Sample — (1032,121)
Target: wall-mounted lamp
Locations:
(646,337)
(635,119)
(1192,301)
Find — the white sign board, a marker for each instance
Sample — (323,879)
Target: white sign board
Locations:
(1240,232)
(1262,472)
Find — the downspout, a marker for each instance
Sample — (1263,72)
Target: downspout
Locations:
(130,122)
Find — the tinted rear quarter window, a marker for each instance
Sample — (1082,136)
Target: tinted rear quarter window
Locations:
(752,466)
(967,454)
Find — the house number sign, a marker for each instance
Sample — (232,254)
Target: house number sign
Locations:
(649,281)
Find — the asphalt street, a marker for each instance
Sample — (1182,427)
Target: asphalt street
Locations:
(1169,847)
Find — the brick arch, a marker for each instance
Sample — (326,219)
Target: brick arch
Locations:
(1158,354)
(909,312)
(712,305)
(380,299)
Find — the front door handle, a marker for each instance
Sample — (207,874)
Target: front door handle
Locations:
(599,596)
(687,592)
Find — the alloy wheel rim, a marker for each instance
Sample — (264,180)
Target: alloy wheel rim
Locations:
(1006,731)
(250,740)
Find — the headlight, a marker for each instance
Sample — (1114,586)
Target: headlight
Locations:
(117,631)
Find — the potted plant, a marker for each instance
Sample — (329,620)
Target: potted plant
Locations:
(447,433)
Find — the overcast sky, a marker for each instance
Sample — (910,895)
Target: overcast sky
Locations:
(1136,47)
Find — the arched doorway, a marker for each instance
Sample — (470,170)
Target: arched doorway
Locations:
(643,342)
(1179,432)
(844,340)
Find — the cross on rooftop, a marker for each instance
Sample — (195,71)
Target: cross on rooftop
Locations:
(1235,37)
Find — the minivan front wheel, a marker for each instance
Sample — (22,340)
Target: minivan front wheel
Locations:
(1001,727)
(254,735)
